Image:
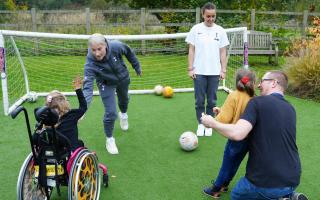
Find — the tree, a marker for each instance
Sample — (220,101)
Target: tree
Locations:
(13,5)
(98,4)
(170,4)
(167,3)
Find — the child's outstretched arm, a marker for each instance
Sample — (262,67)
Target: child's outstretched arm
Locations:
(77,84)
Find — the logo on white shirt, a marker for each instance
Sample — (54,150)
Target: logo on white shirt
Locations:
(216,38)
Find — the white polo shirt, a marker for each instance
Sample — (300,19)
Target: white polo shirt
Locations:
(207,42)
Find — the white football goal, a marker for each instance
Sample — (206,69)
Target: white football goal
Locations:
(33,64)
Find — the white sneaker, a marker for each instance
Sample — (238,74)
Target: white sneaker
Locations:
(208,132)
(200,130)
(111,145)
(124,124)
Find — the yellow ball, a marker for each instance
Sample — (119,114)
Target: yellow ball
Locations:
(167,92)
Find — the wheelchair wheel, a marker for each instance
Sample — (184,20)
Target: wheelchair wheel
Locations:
(27,185)
(84,180)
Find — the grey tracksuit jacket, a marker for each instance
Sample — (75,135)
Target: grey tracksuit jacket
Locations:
(111,69)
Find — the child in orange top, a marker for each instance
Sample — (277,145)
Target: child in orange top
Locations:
(230,112)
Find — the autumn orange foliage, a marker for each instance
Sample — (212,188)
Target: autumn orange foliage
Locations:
(303,64)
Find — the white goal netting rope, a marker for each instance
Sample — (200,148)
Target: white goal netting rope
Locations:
(42,62)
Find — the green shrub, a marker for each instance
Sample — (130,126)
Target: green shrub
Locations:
(303,65)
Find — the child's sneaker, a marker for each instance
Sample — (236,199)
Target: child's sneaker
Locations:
(124,124)
(200,130)
(298,196)
(224,189)
(111,145)
(213,192)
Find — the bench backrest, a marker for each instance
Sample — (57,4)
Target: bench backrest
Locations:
(260,40)
(256,40)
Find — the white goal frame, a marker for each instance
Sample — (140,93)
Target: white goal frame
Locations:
(28,94)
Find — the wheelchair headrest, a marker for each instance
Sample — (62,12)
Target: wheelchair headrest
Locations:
(46,115)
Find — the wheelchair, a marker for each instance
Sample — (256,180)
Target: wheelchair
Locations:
(51,163)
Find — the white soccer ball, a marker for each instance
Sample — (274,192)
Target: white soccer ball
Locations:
(188,141)
(32,97)
(158,89)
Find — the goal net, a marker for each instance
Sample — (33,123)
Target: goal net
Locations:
(36,63)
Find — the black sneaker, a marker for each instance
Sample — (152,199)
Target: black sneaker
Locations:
(298,196)
(212,191)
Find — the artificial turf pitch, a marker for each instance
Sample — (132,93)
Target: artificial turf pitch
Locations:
(151,164)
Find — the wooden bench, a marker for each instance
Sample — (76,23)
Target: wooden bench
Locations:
(259,43)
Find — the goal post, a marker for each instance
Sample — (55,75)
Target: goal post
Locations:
(37,63)
(3,75)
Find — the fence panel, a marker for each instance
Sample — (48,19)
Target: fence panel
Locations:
(125,21)
(283,25)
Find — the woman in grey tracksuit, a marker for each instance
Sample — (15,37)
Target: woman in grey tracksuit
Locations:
(104,63)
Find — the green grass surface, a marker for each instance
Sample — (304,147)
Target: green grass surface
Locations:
(150,164)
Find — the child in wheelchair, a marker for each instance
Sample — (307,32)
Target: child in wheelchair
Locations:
(58,157)
(68,118)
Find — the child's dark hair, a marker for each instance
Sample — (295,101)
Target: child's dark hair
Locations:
(245,81)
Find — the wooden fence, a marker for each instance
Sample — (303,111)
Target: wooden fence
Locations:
(142,21)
